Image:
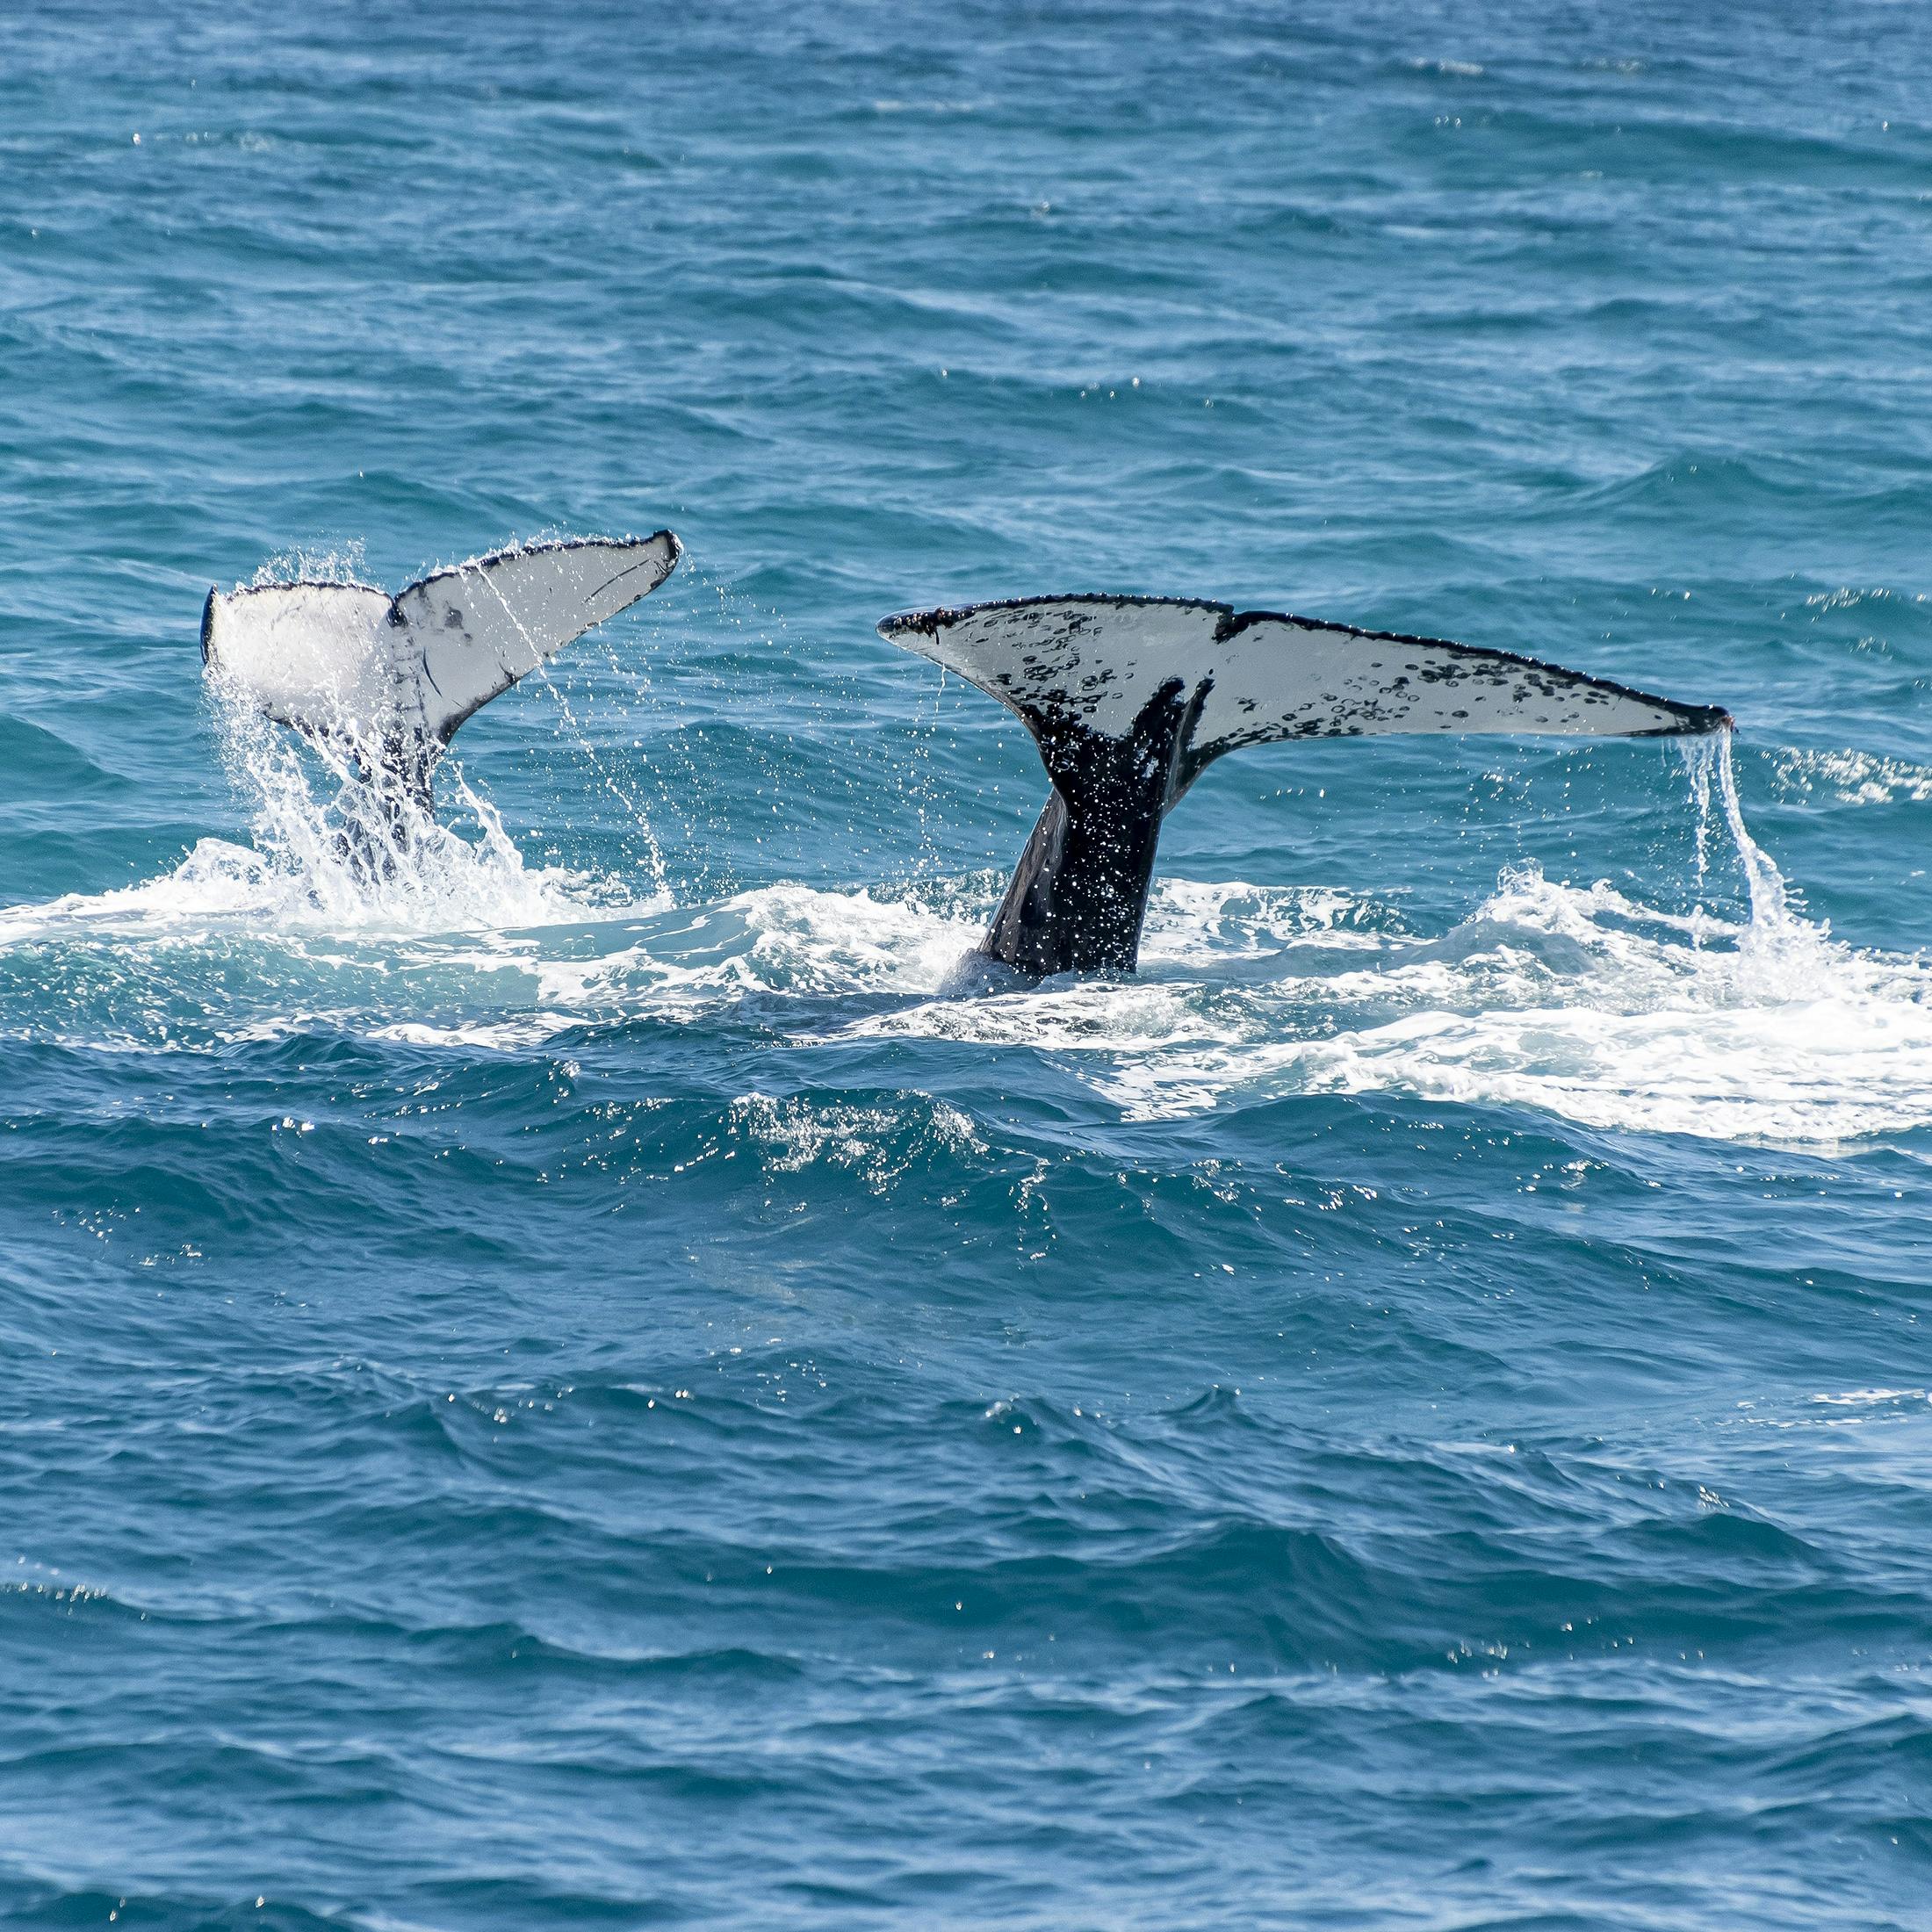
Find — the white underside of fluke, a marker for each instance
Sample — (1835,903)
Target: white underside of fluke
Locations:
(347,662)
(1097,661)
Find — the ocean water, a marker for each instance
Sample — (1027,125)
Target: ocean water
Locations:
(576,1387)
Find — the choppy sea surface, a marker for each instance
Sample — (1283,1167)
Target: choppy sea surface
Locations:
(577,1385)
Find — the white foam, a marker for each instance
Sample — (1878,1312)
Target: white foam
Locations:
(324,864)
(1578,1001)
(1852,778)
(791,1136)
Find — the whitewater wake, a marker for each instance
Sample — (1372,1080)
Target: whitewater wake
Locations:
(1580,1001)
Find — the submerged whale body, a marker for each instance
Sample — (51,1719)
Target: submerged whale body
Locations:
(385,681)
(1130,699)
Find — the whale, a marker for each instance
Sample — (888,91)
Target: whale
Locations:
(1129,699)
(383,682)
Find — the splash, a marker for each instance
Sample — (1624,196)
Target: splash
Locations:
(345,911)
(1738,1019)
(1771,902)
(327,665)
(1575,1000)
(331,852)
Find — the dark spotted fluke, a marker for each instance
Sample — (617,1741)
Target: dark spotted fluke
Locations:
(1129,699)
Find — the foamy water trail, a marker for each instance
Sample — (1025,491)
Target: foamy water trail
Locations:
(1578,1001)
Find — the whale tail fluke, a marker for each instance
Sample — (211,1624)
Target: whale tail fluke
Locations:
(387,680)
(1129,699)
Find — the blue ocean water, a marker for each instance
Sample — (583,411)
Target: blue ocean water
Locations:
(575,1387)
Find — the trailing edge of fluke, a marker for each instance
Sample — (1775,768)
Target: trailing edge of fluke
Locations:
(1128,699)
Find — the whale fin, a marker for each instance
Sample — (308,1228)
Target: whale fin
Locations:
(484,625)
(312,655)
(390,679)
(1129,699)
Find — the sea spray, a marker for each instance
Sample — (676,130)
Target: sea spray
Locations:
(1771,902)
(330,850)
(1577,1000)
(1700,755)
